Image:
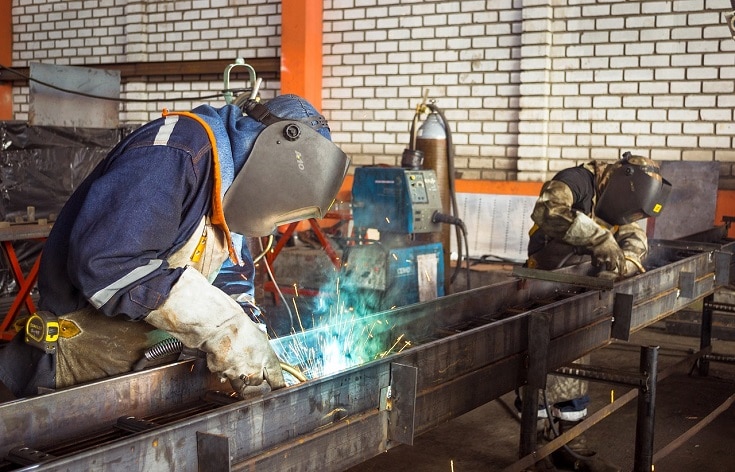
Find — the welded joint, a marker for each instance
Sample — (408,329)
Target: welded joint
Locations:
(398,400)
(386,399)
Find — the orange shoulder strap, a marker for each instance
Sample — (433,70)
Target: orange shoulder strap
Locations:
(218,214)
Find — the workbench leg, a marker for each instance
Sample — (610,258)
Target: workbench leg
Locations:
(539,334)
(705,335)
(643,461)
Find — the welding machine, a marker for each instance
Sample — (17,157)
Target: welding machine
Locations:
(394,270)
(395,200)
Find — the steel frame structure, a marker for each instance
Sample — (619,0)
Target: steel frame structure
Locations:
(469,349)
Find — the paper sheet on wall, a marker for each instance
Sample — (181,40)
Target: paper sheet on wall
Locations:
(497,225)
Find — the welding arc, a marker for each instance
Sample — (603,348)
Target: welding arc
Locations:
(293,371)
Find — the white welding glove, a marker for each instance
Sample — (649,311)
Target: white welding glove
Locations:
(203,317)
(599,241)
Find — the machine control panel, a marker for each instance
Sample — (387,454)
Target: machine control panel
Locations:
(395,200)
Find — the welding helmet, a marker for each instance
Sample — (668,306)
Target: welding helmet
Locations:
(293,172)
(631,189)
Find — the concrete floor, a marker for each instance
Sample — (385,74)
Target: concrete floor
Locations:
(487,438)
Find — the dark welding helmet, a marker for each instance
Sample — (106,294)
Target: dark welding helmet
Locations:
(633,190)
(293,172)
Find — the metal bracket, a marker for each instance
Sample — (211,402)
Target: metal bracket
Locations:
(686,284)
(399,400)
(723,260)
(213,452)
(28,456)
(622,316)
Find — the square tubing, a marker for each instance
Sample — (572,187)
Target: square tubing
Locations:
(643,461)
(539,335)
(705,335)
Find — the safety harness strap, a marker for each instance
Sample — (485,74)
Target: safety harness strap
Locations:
(218,215)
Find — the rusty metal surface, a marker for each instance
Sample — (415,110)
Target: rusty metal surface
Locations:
(469,348)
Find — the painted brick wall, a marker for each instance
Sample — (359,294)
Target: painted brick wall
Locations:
(528,87)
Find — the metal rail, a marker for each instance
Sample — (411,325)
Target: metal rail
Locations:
(471,348)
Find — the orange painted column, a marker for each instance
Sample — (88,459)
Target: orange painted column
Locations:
(6,58)
(301,49)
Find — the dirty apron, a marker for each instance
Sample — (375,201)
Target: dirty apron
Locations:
(92,345)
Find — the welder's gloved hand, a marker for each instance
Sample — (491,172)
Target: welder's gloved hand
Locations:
(203,317)
(600,242)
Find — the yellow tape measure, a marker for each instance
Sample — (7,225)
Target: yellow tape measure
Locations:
(42,331)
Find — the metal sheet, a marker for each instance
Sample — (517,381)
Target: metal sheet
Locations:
(50,106)
(694,187)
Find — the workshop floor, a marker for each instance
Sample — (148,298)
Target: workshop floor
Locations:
(487,438)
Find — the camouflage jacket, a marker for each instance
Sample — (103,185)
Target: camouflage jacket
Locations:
(570,191)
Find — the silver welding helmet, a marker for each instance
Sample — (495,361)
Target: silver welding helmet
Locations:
(293,172)
(631,189)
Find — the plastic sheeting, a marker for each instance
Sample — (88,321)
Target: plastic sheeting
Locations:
(40,167)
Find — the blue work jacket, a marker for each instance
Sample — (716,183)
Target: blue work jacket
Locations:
(111,240)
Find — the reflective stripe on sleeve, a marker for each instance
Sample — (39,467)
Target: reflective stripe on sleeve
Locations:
(104,295)
(164,132)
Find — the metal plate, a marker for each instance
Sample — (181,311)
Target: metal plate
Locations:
(404,379)
(52,107)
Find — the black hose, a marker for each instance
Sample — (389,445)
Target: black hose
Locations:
(161,349)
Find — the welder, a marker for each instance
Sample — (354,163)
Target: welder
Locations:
(591,212)
(153,244)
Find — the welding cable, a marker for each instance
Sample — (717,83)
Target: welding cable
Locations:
(124,100)
(293,371)
(278,289)
(268,247)
(636,263)
(439,217)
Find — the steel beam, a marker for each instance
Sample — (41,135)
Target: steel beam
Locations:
(468,349)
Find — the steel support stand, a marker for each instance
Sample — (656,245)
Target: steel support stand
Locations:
(643,461)
(705,336)
(539,335)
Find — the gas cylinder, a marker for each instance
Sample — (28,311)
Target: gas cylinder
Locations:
(431,140)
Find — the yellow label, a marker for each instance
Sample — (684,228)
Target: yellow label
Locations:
(52,331)
(657,208)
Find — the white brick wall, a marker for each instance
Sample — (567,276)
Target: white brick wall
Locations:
(120,31)
(528,87)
